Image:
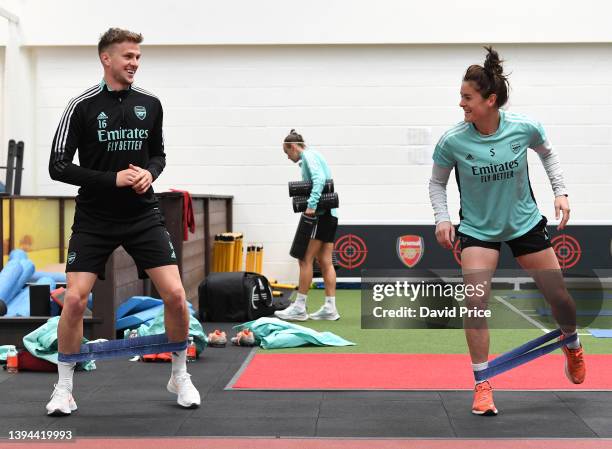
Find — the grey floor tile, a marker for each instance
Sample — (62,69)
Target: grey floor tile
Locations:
(262,408)
(23,410)
(601,425)
(380,408)
(387,395)
(389,428)
(303,427)
(36,422)
(236,395)
(120,410)
(585,396)
(521,414)
(83,425)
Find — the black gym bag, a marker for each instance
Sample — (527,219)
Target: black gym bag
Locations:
(235,296)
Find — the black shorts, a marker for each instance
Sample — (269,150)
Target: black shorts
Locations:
(145,239)
(536,239)
(325,229)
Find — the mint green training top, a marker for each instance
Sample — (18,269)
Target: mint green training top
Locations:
(497,203)
(315,169)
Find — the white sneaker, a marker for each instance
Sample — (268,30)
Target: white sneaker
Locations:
(188,395)
(325,313)
(292,313)
(61,403)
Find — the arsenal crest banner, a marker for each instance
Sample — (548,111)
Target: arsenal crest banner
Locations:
(410,249)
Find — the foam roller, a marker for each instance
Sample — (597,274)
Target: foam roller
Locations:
(302,237)
(303,188)
(9,277)
(327,201)
(18,254)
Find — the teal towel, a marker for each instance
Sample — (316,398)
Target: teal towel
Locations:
(42,343)
(156,326)
(272,333)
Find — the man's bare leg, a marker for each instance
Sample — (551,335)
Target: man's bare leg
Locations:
(167,281)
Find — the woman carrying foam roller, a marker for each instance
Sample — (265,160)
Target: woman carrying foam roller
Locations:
(488,151)
(321,244)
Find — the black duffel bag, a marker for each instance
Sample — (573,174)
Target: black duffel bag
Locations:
(235,296)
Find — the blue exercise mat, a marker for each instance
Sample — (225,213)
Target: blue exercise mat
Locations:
(136,319)
(136,304)
(601,333)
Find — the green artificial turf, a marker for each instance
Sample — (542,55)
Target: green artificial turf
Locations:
(430,341)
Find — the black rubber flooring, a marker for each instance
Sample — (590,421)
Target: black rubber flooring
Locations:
(123,398)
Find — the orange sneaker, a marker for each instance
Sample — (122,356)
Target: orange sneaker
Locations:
(217,339)
(244,338)
(575,369)
(483,400)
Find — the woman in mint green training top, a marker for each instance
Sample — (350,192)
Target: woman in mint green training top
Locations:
(321,245)
(488,151)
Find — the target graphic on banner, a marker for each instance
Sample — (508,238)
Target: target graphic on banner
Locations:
(351,251)
(457,251)
(567,249)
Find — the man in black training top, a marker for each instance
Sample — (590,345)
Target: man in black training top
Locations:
(117,129)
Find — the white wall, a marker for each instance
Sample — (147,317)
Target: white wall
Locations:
(213,22)
(373,96)
(369,109)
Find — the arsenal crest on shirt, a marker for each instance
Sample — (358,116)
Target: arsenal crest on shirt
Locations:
(410,249)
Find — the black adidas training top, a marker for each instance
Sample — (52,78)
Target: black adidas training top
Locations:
(110,129)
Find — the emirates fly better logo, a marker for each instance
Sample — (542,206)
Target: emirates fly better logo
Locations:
(410,249)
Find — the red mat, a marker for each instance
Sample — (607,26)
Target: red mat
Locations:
(409,372)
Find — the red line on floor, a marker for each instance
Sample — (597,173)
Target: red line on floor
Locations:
(313,443)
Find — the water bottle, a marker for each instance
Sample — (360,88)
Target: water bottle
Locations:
(12,362)
(191,350)
(134,334)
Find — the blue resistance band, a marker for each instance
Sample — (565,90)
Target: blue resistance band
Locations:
(523,354)
(150,344)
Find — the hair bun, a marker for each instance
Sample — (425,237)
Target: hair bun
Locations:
(492,62)
(294,137)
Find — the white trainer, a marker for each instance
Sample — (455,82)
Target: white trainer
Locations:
(61,403)
(325,313)
(292,313)
(187,395)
